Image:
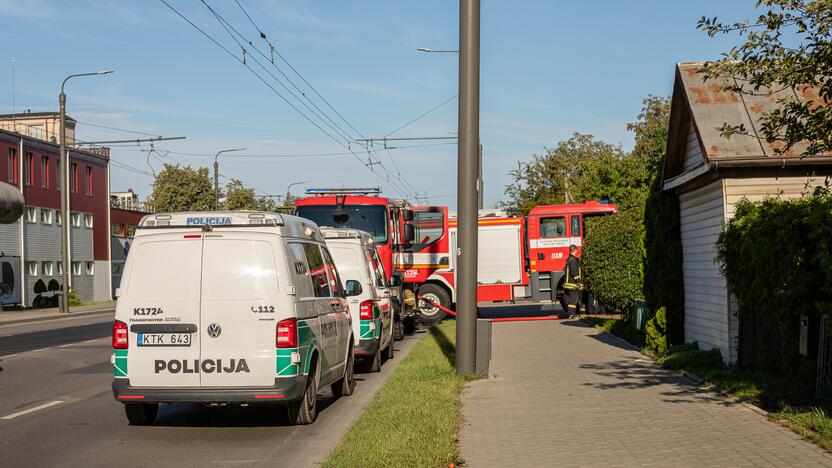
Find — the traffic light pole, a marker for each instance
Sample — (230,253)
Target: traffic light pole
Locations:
(468,185)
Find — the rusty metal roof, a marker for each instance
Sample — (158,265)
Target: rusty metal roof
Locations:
(709,106)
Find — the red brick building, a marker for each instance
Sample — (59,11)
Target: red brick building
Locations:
(29,160)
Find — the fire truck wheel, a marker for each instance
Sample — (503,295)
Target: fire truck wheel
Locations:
(429,314)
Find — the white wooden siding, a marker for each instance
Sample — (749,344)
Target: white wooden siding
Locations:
(702,216)
(693,154)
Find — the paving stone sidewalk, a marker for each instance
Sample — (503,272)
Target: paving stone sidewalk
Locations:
(563,394)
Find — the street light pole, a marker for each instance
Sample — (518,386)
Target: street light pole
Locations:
(288,194)
(64,175)
(468,185)
(217,175)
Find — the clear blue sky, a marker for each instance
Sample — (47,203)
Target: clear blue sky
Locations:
(549,68)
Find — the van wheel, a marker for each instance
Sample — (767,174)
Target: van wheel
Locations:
(306,410)
(430,314)
(373,364)
(346,385)
(409,325)
(141,414)
(398,330)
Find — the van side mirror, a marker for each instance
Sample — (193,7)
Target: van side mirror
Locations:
(409,233)
(353,288)
(407,215)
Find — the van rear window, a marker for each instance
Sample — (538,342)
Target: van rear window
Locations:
(236,270)
(165,270)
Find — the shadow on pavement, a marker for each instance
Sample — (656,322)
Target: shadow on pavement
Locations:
(639,374)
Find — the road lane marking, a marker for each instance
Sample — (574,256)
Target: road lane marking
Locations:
(32,410)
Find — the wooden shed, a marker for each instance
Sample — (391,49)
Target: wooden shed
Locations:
(710,174)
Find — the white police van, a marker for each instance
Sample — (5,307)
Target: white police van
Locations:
(358,263)
(230,307)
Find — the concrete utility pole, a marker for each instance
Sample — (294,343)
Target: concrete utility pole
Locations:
(468,185)
(64,175)
(217,175)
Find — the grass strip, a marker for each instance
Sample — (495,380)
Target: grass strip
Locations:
(414,420)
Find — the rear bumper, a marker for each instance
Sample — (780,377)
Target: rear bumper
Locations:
(284,390)
(366,348)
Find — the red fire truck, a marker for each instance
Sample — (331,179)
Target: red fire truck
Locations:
(519,257)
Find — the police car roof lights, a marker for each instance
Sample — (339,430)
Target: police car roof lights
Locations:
(211,218)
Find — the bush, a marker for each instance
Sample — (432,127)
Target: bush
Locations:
(777,259)
(655,333)
(613,258)
(663,282)
(73,299)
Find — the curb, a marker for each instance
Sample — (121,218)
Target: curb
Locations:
(56,317)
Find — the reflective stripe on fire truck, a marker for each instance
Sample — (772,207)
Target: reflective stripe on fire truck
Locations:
(558,242)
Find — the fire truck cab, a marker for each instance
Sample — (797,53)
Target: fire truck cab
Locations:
(550,230)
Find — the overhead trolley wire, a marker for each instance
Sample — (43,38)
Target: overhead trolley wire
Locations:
(275,91)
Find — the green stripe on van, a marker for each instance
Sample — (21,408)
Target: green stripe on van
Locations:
(120,363)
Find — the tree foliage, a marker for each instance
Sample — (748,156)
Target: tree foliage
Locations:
(581,168)
(179,188)
(238,197)
(789,45)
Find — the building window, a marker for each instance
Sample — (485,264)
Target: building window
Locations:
(44,172)
(12,166)
(46,216)
(58,219)
(28,169)
(32,268)
(31,214)
(75,219)
(76,268)
(73,178)
(48,268)
(60,268)
(90,268)
(88,220)
(89,180)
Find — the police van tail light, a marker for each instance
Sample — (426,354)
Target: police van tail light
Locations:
(287,333)
(119,335)
(365,310)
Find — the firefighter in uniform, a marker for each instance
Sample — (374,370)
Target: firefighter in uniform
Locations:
(572,282)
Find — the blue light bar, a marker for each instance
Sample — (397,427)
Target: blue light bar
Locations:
(344,191)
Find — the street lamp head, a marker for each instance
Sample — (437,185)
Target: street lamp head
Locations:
(105,72)
(424,49)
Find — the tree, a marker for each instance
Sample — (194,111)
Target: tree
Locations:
(787,46)
(581,168)
(178,188)
(238,197)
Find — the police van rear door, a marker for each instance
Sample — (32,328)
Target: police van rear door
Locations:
(159,298)
(239,308)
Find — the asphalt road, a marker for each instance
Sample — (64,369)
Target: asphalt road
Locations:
(57,409)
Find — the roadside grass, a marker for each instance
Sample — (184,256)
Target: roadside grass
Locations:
(415,418)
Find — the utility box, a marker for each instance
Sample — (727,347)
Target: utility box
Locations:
(483,356)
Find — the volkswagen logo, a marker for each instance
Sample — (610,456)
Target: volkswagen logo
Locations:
(214,330)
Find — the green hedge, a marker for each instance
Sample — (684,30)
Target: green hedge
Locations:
(777,259)
(613,258)
(663,283)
